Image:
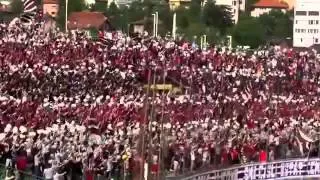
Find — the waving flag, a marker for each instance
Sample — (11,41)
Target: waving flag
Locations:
(29,11)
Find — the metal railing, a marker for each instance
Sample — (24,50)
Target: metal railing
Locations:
(284,169)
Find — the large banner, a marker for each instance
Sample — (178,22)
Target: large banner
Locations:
(273,170)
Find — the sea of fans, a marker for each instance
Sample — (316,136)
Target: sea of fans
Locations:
(77,108)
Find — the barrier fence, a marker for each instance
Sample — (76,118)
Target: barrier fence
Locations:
(285,169)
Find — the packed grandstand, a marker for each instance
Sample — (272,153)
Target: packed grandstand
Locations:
(77,108)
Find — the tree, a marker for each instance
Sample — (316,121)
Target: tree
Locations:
(100,6)
(16,6)
(165,18)
(249,32)
(249,4)
(136,11)
(277,24)
(113,13)
(73,6)
(216,16)
(194,11)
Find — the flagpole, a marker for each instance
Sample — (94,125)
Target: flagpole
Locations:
(66,18)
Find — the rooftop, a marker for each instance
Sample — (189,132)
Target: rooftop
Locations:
(50,1)
(271,4)
(85,20)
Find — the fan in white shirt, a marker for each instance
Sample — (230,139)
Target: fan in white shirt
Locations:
(58,176)
(48,173)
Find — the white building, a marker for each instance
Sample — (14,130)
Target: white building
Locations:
(235,5)
(306,23)
(265,6)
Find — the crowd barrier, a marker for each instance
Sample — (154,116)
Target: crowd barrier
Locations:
(284,169)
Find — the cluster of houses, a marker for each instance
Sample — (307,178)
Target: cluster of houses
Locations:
(51,7)
(76,20)
(306,30)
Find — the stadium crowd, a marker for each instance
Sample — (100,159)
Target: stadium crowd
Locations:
(73,107)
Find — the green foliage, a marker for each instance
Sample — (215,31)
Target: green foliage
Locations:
(266,28)
(136,11)
(210,20)
(249,4)
(100,6)
(93,32)
(216,16)
(277,24)
(249,31)
(213,20)
(16,6)
(194,11)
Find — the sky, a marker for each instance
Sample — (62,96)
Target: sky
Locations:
(90,1)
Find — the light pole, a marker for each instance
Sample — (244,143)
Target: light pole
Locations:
(154,24)
(157,23)
(174,26)
(203,42)
(230,41)
(66,18)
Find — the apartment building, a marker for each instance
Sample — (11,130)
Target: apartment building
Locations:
(306,23)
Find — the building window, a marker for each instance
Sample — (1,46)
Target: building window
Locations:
(301,39)
(234,3)
(296,21)
(316,40)
(301,13)
(313,13)
(317,21)
(310,21)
